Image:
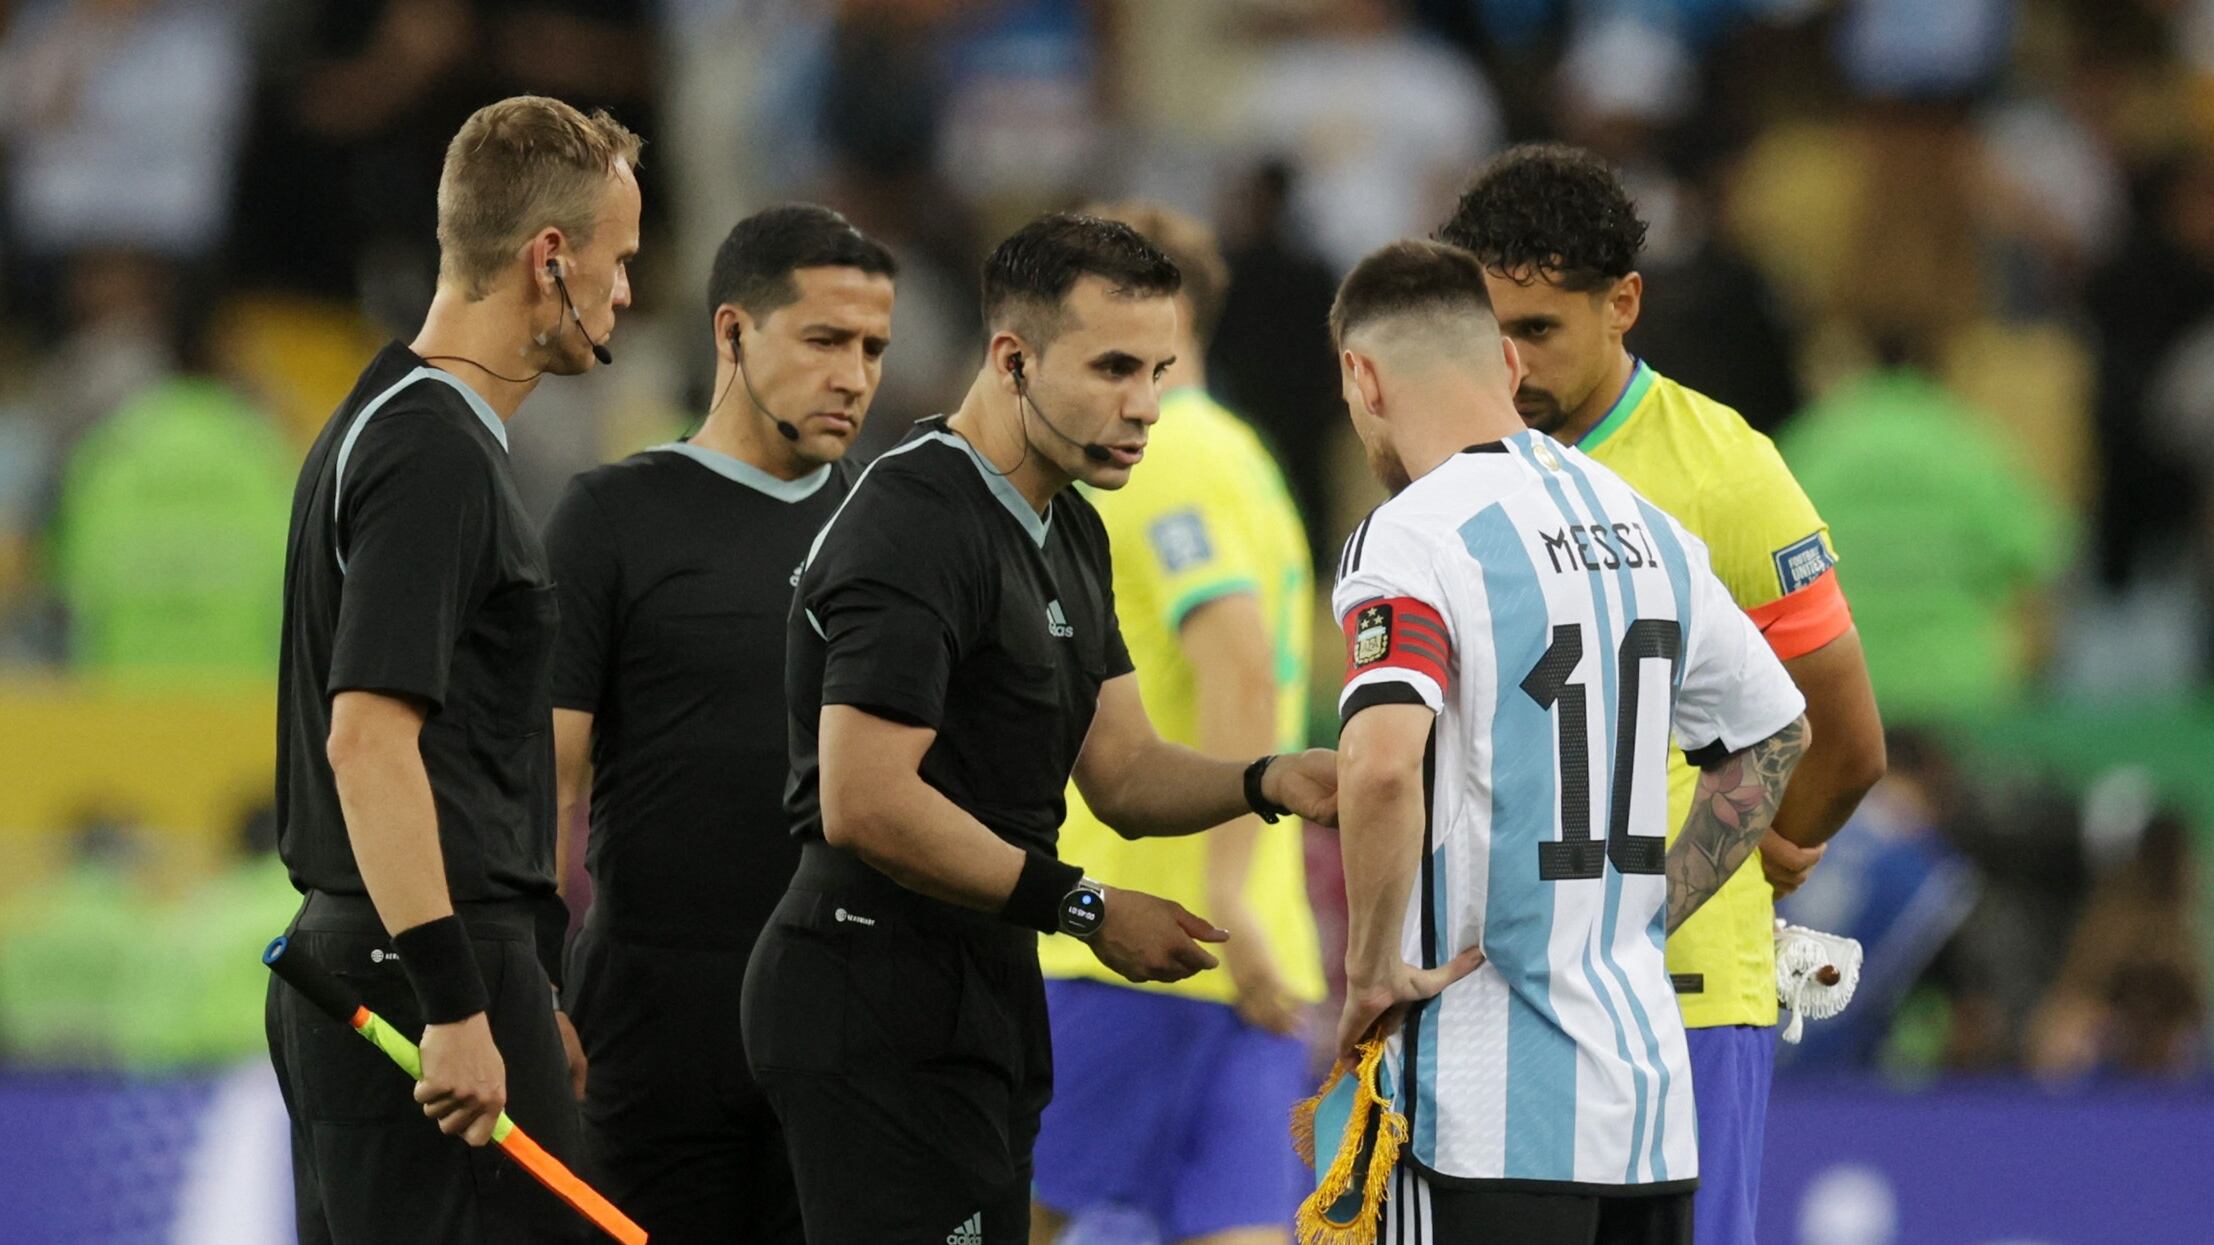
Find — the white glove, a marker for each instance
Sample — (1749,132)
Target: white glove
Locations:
(1816,974)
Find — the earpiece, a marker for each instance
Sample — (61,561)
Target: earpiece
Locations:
(599,351)
(1096,452)
(785,428)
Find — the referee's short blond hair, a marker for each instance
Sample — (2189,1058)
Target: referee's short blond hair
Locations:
(515,168)
(1191,244)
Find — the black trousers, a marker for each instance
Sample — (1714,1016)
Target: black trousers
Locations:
(367,1166)
(674,1124)
(904,1046)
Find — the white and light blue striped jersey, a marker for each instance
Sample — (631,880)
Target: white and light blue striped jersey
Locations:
(1562,628)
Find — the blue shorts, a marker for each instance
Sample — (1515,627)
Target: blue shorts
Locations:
(1168,1106)
(1731,1067)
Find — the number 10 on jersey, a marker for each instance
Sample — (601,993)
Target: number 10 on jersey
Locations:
(1577,854)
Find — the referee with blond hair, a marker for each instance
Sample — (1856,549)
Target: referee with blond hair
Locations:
(415,794)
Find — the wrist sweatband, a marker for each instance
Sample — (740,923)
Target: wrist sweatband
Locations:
(442,967)
(1266,809)
(1035,903)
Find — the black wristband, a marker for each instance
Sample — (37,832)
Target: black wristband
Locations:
(1266,809)
(442,966)
(1035,903)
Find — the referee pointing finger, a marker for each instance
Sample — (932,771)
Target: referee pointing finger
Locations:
(954,658)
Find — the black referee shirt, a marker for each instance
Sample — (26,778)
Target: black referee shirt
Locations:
(676,568)
(939,598)
(412,570)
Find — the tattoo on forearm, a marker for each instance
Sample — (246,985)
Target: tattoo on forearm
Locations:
(1732,810)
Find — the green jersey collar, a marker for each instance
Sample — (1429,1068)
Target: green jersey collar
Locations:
(1633,393)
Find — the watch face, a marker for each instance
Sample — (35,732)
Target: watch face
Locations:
(1082,911)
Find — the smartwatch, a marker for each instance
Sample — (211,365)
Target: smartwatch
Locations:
(1083,910)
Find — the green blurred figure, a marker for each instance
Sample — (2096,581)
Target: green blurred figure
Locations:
(98,972)
(168,543)
(68,955)
(1952,539)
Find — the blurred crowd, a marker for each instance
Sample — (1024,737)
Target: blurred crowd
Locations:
(1957,256)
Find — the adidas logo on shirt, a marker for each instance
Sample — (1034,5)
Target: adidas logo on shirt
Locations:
(972,1232)
(1057,623)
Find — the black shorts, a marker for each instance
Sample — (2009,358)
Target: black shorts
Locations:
(367,1165)
(674,1125)
(1421,1211)
(904,1046)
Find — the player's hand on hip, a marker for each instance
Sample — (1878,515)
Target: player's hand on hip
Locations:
(1376,1001)
(1306,783)
(1786,864)
(1148,938)
(573,1049)
(464,1085)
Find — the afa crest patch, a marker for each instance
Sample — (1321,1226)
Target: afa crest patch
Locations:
(1372,636)
(1802,562)
(1180,540)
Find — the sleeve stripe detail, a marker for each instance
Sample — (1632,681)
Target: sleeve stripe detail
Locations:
(1206,593)
(1426,628)
(1420,648)
(1350,560)
(1804,621)
(1380,692)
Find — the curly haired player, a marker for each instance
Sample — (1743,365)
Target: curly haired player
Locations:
(1559,241)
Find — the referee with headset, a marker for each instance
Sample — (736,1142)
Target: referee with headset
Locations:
(676,568)
(954,658)
(414,747)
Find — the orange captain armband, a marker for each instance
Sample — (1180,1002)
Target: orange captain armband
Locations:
(1803,621)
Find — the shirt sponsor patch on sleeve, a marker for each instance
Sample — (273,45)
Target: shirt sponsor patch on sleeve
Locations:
(1803,562)
(1180,540)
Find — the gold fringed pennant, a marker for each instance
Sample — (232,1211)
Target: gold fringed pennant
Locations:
(1336,1213)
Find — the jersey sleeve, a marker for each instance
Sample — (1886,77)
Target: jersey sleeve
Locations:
(895,590)
(588,572)
(1117,652)
(1184,543)
(1390,605)
(1772,551)
(415,514)
(1735,691)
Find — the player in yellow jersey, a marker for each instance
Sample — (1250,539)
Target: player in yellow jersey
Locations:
(1559,240)
(1172,1099)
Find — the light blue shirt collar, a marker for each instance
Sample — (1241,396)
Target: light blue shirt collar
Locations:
(1036,525)
(740,471)
(485,414)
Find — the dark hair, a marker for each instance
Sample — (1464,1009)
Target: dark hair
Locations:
(1404,278)
(1029,276)
(754,265)
(1190,244)
(1557,211)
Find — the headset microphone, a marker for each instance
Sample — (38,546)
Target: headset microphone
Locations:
(600,352)
(1092,450)
(785,427)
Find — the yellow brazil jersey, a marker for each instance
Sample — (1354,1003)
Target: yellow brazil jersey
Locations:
(1207,514)
(1699,460)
